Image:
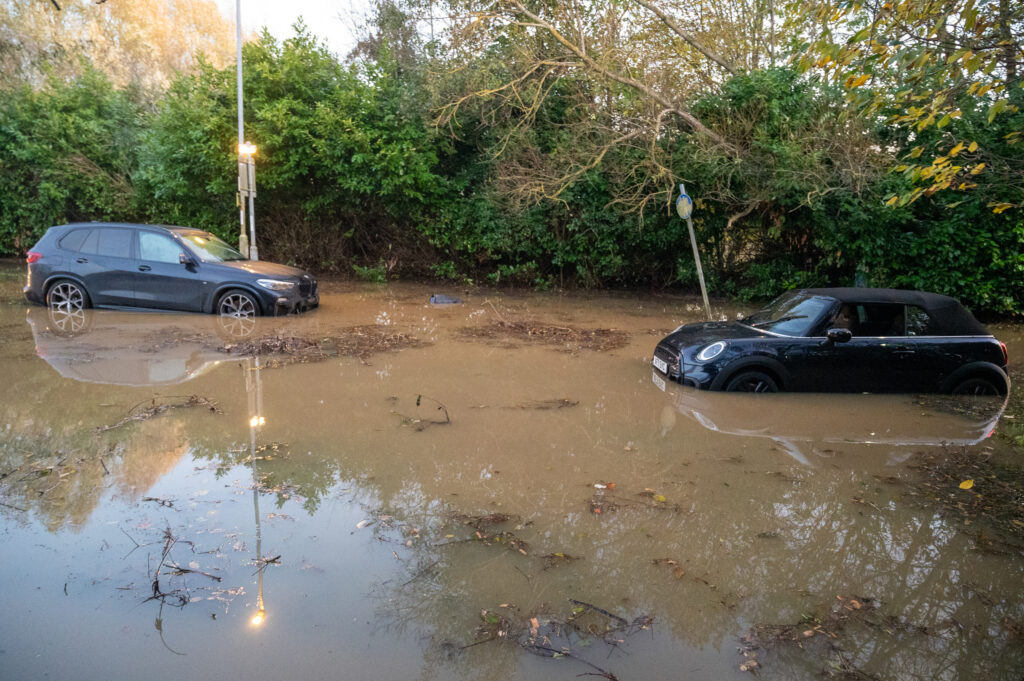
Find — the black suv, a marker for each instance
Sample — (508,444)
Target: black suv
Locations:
(115,265)
(840,340)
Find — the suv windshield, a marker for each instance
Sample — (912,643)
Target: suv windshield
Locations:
(791,314)
(207,247)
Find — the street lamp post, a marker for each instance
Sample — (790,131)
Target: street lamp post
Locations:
(246,168)
(243,239)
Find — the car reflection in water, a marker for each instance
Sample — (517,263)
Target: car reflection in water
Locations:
(808,429)
(130,349)
(139,349)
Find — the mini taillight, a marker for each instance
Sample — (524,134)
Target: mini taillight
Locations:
(1006,355)
(32,256)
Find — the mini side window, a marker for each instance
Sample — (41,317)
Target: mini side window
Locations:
(918,322)
(74,239)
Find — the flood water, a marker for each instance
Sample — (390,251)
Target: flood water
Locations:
(488,489)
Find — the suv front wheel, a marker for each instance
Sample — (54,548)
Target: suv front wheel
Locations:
(238,304)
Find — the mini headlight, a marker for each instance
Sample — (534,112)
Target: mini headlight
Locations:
(711,351)
(276,285)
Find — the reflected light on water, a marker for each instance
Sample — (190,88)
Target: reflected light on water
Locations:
(258,618)
(257,421)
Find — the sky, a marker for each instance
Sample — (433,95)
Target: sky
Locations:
(334,21)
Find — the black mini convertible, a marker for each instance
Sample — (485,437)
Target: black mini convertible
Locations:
(841,340)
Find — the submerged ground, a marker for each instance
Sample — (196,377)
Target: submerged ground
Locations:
(496,488)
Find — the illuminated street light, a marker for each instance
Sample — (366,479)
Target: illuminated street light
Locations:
(247,188)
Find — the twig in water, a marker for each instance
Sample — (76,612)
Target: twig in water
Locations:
(447,419)
(496,311)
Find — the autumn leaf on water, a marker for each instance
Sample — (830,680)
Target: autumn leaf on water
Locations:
(967,484)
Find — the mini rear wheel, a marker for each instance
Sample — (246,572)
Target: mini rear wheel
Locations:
(752,382)
(977,385)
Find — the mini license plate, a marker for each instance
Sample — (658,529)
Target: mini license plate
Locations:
(660,364)
(658,381)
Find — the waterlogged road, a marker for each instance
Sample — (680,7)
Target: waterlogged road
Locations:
(388,489)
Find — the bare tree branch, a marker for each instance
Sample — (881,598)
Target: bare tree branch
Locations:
(688,37)
(687,117)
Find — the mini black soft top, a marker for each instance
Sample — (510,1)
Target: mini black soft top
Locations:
(949,317)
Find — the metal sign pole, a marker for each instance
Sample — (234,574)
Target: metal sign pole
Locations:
(684,206)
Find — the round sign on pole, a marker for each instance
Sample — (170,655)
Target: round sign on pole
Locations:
(684,206)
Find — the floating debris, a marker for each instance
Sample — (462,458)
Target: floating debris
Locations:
(139,413)
(573,338)
(356,341)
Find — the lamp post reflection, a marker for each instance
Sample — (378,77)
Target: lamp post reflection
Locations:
(254,393)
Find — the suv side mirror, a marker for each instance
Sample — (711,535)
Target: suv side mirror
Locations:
(184,259)
(839,335)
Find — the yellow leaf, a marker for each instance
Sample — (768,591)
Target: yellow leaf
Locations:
(659,498)
(916,152)
(973,147)
(957,149)
(967,484)
(853,82)
(977,169)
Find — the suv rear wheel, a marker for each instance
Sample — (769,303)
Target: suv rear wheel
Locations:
(65,295)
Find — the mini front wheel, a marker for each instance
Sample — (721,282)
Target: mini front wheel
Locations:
(752,382)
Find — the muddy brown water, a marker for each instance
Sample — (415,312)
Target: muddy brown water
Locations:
(470,504)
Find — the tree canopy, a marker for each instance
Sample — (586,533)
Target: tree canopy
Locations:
(826,142)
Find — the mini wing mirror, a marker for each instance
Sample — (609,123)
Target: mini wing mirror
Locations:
(840,335)
(184,259)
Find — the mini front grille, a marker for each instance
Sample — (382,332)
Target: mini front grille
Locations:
(670,356)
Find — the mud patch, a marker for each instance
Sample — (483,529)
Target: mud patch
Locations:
(567,337)
(357,341)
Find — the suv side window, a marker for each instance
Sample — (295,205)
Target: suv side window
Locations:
(158,248)
(918,322)
(74,239)
(116,243)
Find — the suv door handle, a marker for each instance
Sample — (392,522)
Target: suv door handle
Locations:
(902,351)
(144,268)
(82,260)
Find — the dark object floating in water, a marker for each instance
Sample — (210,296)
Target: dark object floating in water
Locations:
(441,299)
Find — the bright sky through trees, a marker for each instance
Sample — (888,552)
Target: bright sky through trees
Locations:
(336,22)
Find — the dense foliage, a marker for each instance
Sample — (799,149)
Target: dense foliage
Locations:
(556,185)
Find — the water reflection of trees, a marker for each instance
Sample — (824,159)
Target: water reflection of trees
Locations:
(769,557)
(943,609)
(767,549)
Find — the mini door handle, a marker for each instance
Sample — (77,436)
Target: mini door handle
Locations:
(903,351)
(82,260)
(144,268)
